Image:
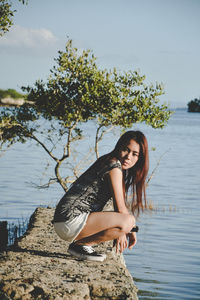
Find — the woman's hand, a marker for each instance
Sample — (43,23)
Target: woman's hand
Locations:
(121,243)
(132,239)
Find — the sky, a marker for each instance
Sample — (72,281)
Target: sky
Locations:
(160,38)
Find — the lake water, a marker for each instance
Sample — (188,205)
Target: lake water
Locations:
(165,263)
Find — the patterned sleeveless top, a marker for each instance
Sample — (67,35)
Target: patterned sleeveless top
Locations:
(89,193)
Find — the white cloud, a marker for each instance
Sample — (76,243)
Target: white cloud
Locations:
(21,38)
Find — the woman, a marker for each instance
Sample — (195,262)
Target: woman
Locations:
(79,218)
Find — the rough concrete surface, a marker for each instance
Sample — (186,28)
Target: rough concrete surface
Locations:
(39,267)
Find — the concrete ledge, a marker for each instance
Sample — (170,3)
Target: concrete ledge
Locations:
(38,267)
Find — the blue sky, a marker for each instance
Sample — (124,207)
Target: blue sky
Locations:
(161,38)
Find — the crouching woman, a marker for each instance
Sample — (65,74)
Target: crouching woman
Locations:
(79,217)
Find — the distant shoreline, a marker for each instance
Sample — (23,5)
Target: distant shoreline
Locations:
(14,102)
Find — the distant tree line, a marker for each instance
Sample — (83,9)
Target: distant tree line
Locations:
(194,105)
(10,93)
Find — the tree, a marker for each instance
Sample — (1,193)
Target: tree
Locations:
(6,15)
(132,102)
(78,91)
(194,105)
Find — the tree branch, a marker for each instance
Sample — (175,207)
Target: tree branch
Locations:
(99,138)
(44,147)
(154,170)
(60,180)
(44,186)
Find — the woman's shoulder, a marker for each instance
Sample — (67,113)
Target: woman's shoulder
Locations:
(107,160)
(108,165)
(114,163)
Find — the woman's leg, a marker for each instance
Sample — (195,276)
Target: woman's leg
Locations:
(105,226)
(103,236)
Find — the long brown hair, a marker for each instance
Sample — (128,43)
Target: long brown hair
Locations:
(135,177)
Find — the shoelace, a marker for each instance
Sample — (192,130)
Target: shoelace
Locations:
(88,249)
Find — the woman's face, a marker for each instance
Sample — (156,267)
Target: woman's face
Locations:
(129,155)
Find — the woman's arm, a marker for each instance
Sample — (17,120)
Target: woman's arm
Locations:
(118,193)
(118,190)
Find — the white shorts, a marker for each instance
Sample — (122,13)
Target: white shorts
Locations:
(69,230)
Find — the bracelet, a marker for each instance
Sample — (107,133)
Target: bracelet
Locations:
(135,229)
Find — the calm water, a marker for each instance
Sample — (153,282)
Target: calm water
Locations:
(165,263)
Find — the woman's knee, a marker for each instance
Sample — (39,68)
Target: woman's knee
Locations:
(128,223)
